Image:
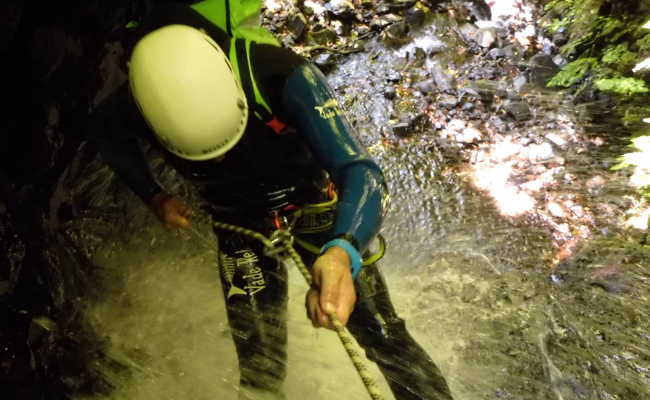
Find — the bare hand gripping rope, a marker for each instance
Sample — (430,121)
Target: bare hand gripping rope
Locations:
(281,243)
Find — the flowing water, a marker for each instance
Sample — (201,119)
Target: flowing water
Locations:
(484,291)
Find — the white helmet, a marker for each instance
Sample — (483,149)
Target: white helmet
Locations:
(187,92)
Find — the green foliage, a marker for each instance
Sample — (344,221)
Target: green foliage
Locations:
(557,24)
(640,161)
(604,47)
(555,4)
(573,73)
(644,43)
(619,55)
(622,85)
(600,30)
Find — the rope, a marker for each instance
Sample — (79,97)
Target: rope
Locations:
(281,242)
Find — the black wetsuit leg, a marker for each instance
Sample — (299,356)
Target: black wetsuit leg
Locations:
(255,292)
(408,369)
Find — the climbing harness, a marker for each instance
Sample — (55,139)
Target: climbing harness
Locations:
(317,215)
(280,245)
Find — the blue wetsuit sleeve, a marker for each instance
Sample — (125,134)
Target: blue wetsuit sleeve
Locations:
(315,113)
(112,134)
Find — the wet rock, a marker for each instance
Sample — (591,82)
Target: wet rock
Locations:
(447,101)
(542,69)
(595,185)
(297,26)
(399,5)
(393,77)
(489,72)
(111,73)
(496,53)
(560,60)
(362,29)
(498,123)
(396,34)
(479,9)
(341,9)
(470,134)
(485,88)
(427,86)
(518,110)
(437,48)
(486,37)
(324,60)
(342,29)
(414,17)
(556,209)
(469,31)
(519,82)
(378,23)
(561,37)
(418,57)
(323,36)
(401,129)
(557,140)
(442,78)
(469,93)
(540,152)
(468,106)
(389,93)
(513,53)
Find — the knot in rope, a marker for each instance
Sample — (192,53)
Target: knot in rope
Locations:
(279,242)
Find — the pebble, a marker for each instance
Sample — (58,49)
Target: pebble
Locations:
(447,101)
(540,152)
(468,106)
(389,93)
(324,60)
(517,110)
(297,26)
(393,77)
(427,86)
(401,129)
(519,82)
(542,69)
(496,53)
(486,37)
(414,17)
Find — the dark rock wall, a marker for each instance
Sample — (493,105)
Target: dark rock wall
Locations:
(51,52)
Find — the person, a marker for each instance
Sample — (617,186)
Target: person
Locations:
(259,131)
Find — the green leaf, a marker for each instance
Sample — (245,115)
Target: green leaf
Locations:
(573,72)
(625,86)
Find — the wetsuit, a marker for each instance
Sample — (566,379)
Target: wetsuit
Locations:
(264,173)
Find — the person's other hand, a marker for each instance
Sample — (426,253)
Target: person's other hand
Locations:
(171,210)
(332,290)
